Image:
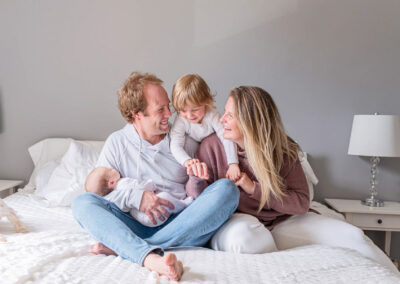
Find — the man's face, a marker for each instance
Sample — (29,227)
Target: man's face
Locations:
(154,120)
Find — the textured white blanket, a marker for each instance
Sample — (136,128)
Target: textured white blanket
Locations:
(56,252)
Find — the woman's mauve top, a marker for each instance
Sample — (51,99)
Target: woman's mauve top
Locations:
(295,202)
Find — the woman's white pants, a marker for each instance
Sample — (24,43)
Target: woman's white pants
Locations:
(243,233)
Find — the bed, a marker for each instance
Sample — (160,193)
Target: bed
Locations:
(56,248)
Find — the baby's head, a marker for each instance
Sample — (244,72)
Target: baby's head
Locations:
(102,180)
(191,97)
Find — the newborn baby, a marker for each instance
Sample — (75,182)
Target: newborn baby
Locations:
(108,183)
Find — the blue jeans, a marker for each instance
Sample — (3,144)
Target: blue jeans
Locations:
(193,226)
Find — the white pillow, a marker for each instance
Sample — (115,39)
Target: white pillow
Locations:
(44,174)
(68,179)
(309,173)
(48,150)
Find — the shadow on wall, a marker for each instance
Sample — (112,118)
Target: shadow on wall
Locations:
(326,187)
(1,113)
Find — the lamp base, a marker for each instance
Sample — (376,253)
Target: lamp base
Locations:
(372,202)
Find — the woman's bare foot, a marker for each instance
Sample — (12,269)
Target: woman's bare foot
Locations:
(99,248)
(167,265)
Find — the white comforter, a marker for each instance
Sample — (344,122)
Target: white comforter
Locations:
(56,251)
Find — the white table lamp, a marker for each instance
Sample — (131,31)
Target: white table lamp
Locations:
(375,136)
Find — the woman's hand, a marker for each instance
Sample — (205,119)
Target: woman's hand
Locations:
(245,183)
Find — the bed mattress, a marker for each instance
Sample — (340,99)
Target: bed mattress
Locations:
(56,251)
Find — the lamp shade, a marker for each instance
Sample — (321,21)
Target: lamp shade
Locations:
(375,135)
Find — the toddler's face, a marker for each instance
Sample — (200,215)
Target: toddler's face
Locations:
(193,114)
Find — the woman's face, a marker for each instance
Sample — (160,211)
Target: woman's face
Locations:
(231,124)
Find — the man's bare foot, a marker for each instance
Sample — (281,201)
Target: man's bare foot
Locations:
(167,265)
(99,248)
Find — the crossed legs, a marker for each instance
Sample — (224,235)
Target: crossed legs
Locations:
(122,234)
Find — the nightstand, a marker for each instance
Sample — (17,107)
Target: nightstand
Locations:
(385,218)
(9,185)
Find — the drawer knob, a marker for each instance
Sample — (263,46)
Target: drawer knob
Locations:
(380,221)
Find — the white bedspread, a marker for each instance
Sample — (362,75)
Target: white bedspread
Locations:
(55,251)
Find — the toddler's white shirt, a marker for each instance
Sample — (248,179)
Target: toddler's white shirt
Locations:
(198,131)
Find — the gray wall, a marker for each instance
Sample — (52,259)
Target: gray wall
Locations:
(61,63)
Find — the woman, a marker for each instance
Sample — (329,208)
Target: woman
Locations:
(274,197)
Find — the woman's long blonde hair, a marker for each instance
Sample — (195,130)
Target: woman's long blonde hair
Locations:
(265,140)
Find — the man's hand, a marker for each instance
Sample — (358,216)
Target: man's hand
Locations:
(245,183)
(198,169)
(153,206)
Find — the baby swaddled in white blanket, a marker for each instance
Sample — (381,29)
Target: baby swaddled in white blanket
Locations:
(120,196)
(123,193)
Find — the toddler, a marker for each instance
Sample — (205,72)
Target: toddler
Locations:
(108,183)
(198,118)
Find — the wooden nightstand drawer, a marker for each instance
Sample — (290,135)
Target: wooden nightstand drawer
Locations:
(374,221)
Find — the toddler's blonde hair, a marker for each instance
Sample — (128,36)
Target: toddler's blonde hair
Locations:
(191,89)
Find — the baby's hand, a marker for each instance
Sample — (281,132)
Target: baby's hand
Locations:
(233,172)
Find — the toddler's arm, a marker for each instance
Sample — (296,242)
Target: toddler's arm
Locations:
(233,172)
(177,135)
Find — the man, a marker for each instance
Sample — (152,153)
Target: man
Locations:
(141,150)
